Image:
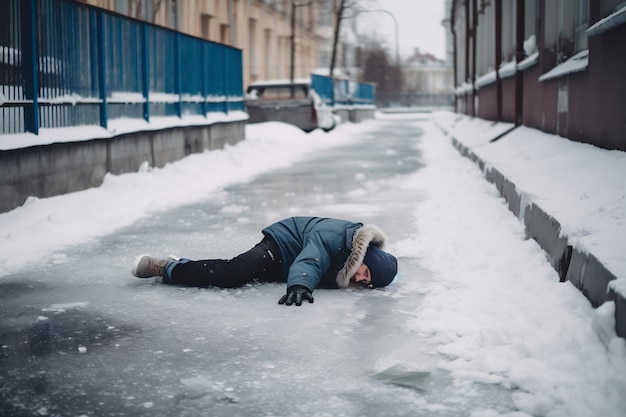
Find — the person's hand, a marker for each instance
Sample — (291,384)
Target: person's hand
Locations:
(295,294)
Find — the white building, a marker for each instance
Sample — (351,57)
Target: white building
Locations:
(424,73)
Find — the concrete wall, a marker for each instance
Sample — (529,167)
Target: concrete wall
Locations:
(48,170)
(355,115)
(358,115)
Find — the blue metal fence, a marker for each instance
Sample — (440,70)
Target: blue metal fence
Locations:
(324,87)
(343,92)
(348,92)
(64,63)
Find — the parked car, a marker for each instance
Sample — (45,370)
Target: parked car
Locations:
(294,103)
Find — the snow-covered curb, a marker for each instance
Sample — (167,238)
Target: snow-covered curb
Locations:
(566,193)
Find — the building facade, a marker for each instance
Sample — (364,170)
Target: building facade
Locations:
(425,73)
(427,81)
(554,65)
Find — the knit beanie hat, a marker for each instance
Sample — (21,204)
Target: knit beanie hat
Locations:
(382,265)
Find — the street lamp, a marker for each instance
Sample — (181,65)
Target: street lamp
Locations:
(395,22)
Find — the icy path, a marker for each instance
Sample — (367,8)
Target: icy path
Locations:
(478,324)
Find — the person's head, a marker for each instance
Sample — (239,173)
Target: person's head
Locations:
(379,268)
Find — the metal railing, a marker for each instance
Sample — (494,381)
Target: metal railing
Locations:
(65,63)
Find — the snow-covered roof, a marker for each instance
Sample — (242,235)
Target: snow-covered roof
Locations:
(611,21)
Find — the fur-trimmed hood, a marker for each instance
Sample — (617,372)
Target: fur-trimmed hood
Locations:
(362,238)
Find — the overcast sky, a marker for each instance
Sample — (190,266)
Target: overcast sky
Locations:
(419,24)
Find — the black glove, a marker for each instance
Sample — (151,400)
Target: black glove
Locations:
(296,293)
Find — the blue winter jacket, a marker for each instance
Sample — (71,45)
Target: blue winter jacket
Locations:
(321,252)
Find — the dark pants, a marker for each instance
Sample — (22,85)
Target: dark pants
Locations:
(261,263)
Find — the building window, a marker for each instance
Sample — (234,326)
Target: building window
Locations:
(205,25)
(565,30)
(268,53)
(225,33)
(608,7)
(122,6)
(581,25)
(252,49)
(325,14)
(173,12)
(508,31)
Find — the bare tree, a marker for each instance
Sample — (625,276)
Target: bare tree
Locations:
(379,69)
(156,5)
(338,17)
(137,10)
(340,13)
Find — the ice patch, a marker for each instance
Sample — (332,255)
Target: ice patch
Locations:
(58,259)
(62,308)
(235,209)
(400,376)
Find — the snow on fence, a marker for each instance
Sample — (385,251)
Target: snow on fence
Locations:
(66,64)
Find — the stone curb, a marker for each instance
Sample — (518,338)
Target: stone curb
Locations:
(583,270)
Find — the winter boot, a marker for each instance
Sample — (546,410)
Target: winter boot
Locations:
(146,266)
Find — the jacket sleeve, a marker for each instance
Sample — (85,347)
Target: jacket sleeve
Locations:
(310,264)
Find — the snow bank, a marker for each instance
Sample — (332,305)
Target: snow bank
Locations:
(497,309)
(42,226)
(580,185)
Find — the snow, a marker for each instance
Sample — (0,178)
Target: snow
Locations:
(530,45)
(577,63)
(507,69)
(129,97)
(115,127)
(494,310)
(528,62)
(464,88)
(592,213)
(281,81)
(72,99)
(9,55)
(164,98)
(117,203)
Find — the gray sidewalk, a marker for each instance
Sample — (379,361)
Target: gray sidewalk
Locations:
(531,170)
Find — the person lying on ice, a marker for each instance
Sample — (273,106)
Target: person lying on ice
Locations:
(305,252)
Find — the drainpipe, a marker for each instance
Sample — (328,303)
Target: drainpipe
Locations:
(468,35)
(498,36)
(231,22)
(454,52)
(519,56)
(474,32)
(292,47)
